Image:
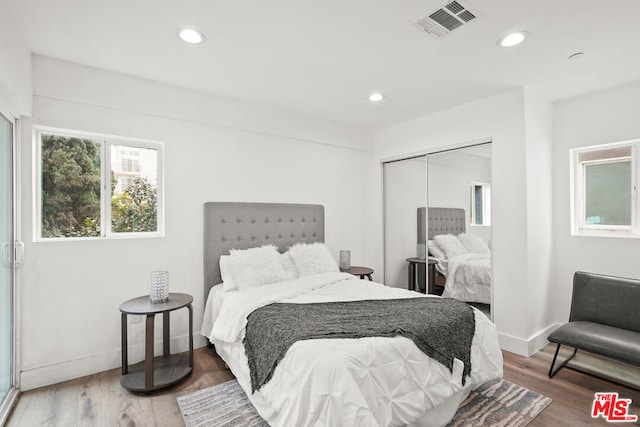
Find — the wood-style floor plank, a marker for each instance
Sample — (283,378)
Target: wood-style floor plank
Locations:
(572,392)
(99,400)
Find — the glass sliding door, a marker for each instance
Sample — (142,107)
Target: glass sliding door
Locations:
(7,263)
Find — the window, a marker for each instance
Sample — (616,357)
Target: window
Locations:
(480,203)
(93,186)
(604,201)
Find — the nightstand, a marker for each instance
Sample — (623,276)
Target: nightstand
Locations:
(154,373)
(362,272)
(413,273)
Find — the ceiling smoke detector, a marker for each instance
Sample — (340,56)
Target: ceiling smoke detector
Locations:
(440,22)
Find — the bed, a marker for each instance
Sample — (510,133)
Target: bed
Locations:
(372,380)
(464,259)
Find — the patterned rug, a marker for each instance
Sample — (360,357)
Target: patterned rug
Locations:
(499,403)
(495,403)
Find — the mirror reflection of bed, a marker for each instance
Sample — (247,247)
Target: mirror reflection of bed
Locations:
(463,270)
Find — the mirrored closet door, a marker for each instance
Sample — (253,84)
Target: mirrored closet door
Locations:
(405,190)
(460,181)
(441,193)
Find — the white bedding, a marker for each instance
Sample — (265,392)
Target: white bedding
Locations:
(356,382)
(469,278)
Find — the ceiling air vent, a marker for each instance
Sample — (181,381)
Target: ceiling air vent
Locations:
(441,21)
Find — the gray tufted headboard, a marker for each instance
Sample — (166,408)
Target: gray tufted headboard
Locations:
(232,225)
(441,221)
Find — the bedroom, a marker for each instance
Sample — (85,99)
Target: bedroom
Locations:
(220,148)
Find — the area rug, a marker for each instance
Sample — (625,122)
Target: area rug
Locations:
(496,403)
(499,403)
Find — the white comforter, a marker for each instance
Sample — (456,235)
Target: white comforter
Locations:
(356,382)
(469,278)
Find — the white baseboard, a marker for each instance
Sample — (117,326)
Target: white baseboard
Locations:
(539,340)
(526,347)
(513,344)
(72,369)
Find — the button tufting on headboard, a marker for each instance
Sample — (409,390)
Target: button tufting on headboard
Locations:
(441,221)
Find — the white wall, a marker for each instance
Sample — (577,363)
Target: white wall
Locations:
(540,250)
(598,118)
(450,177)
(15,67)
(405,191)
(501,119)
(215,150)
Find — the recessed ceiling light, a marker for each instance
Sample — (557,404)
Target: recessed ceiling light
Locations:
(513,39)
(376,97)
(191,36)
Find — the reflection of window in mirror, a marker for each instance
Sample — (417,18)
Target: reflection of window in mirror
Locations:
(480,203)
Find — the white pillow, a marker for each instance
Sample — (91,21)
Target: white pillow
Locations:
(451,245)
(253,267)
(436,250)
(312,258)
(228,284)
(474,243)
(289,269)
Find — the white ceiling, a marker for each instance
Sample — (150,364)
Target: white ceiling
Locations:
(323,58)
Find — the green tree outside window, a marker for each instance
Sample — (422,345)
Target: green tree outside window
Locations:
(70,191)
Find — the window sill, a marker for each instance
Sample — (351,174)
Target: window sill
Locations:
(606,234)
(129,236)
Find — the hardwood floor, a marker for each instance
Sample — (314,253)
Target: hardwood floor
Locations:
(99,400)
(572,392)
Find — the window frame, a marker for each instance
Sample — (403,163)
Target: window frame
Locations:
(579,226)
(486,204)
(105,141)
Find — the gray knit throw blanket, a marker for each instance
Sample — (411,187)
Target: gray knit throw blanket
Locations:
(442,328)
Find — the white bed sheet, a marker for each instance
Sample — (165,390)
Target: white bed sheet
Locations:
(212,308)
(469,278)
(366,381)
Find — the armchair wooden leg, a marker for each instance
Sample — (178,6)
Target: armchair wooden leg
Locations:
(563,364)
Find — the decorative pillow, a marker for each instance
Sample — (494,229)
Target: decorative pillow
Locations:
(451,245)
(312,258)
(255,267)
(289,269)
(228,284)
(436,250)
(474,243)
